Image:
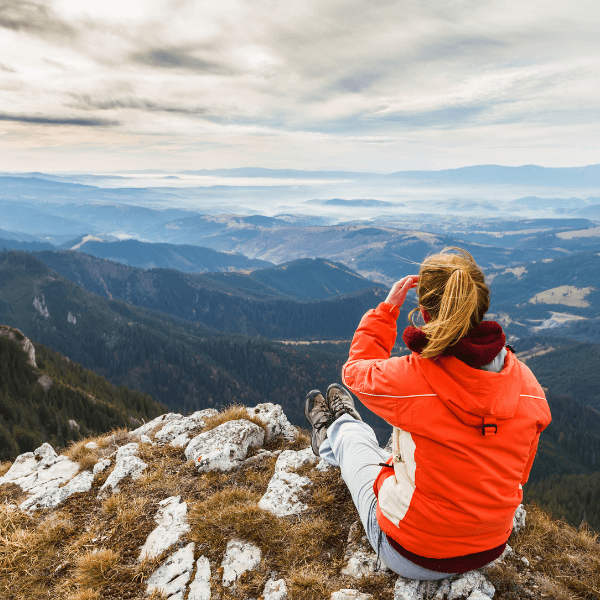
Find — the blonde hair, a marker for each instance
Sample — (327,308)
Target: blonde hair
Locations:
(452,290)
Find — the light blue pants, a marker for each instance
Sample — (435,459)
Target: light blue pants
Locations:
(352,446)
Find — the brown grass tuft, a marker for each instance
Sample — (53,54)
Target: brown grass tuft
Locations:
(86,594)
(231,413)
(4,467)
(96,567)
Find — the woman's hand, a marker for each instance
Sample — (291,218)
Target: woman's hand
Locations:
(399,290)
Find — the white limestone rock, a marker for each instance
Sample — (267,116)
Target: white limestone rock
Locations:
(144,439)
(508,551)
(52,497)
(132,449)
(275,421)
(172,576)
(101,465)
(519,519)
(292,460)
(350,595)
(469,582)
(128,466)
(360,563)
(40,470)
(91,446)
(261,455)
(477,595)
(281,497)
(225,447)
(172,524)
(239,558)
(177,427)
(157,423)
(275,590)
(444,589)
(45,382)
(323,466)
(200,587)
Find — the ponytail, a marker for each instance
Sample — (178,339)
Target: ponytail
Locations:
(452,290)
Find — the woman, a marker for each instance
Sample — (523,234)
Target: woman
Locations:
(466,417)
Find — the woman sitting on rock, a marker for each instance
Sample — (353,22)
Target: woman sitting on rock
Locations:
(466,417)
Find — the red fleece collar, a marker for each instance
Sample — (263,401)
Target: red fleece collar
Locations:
(479,347)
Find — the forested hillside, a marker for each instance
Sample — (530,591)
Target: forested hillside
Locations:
(59,401)
(238,305)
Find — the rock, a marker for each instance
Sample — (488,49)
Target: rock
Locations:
(101,465)
(144,439)
(172,524)
(274,420)
(281,497)
(30,351)
(239,558)
(52,497)
(200,587)
(414,589)
(177,427)
(350,595)
(519,519)
(172,576)
(45,382)
(40,470)
(225,447)
(291,460)
(131,449)
(275,590)
(91,446)
(323,466)
(157,423)
(470,582)
(360,563)
(262,454)
(477,595)
(73,424)
(129,466)
(524,561)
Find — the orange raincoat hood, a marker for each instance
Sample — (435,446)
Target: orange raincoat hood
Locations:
(473,393)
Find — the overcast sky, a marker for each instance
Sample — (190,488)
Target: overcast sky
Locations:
(97,85)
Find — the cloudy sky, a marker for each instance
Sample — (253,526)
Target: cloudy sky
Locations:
(375,85)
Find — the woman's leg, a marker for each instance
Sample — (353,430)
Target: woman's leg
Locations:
(352,446)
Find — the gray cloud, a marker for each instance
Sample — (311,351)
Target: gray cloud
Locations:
(34,18)
(76,121)
(174,58)
(85,102)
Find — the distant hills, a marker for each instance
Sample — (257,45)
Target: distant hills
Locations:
(560,297)
(185,258)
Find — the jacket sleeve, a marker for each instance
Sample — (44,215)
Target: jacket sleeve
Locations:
(544,420)
(370,373)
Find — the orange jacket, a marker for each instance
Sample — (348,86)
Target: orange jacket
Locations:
(453,491)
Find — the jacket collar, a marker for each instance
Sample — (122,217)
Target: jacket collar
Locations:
(479,347)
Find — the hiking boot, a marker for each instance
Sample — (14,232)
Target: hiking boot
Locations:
(319,416)
(340,402)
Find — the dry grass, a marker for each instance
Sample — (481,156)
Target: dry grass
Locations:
(4,467)
(231,413)
(564,561)
(87,548)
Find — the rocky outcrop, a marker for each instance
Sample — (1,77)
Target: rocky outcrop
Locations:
(49,479)
(225,447)
(14,334)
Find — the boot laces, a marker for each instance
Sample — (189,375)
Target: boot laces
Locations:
(325,421)
(339,403)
